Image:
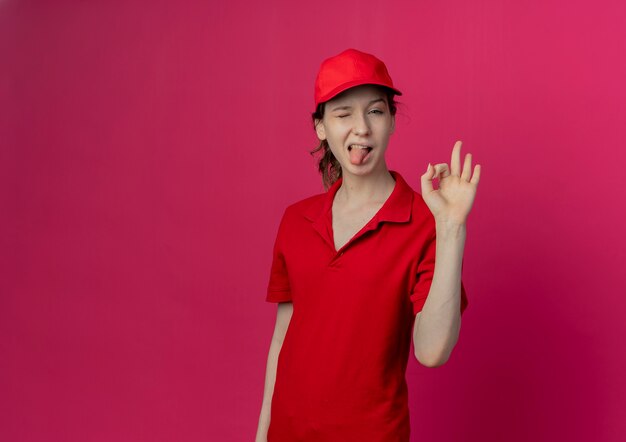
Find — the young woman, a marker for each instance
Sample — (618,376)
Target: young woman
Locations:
(360,270)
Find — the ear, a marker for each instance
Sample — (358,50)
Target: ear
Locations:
(393,123)
(319,129)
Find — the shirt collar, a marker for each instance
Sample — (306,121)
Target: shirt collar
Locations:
(397,208)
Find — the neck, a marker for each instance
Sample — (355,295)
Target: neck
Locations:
(357,190)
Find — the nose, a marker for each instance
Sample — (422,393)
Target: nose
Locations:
(361,126)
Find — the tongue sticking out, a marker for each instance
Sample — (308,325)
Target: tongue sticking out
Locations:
(357,155)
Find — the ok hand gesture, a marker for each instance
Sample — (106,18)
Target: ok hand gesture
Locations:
(452,201)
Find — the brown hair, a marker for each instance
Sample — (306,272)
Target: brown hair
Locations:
(328,166)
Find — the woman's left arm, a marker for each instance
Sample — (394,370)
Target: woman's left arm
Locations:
(437,325)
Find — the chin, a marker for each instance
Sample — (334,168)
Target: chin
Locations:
(364,169)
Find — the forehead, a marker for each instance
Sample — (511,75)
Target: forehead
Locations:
(363,93)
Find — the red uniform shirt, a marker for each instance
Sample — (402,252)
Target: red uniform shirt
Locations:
(341,369)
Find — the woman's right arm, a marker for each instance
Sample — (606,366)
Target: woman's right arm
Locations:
(283,317)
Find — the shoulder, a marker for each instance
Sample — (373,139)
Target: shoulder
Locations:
(419,205)
(420,213)
(298,215)
(307,207)
(421,216)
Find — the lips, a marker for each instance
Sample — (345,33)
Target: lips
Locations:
(360,146)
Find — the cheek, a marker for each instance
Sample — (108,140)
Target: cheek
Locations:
(333,146)
(336,132)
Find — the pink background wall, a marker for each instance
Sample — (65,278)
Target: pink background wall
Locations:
(148,150)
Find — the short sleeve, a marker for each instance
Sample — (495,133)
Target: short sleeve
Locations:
(425,272)
(278,289)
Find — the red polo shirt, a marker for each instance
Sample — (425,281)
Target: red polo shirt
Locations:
(341,369)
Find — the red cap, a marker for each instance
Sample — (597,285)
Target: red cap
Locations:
(348,69)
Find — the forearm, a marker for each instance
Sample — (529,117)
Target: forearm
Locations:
(270,379)
(437,328)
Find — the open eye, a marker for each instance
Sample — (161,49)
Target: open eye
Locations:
(377,111)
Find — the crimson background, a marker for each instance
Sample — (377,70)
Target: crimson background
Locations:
(148,150)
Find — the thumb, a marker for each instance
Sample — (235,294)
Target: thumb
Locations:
(427,180)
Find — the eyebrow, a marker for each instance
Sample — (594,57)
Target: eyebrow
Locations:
(350,107)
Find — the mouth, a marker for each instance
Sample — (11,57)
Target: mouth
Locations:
(359,153)
(359,146)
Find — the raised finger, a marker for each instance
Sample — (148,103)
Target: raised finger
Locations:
(455,162)
(476,177)
(467,167)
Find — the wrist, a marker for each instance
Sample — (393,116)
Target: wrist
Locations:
(449,228)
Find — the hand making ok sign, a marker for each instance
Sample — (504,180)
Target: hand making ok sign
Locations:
(452,201)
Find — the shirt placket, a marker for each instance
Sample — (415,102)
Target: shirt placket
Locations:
(327,234)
